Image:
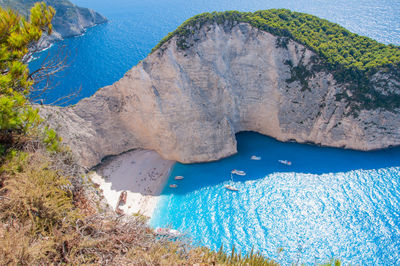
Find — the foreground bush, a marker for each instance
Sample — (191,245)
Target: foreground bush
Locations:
(47,217)
(50,214)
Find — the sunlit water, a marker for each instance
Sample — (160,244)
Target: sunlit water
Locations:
(329,203)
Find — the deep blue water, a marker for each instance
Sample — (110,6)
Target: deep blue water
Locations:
(107,51)
(329,203)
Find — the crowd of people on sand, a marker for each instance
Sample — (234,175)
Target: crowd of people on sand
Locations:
(152,176)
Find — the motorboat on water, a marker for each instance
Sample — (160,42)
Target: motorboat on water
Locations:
(231,188)
(285,162)
(173,186)
(255,158)
(179,177)
(238,172)
(167,232)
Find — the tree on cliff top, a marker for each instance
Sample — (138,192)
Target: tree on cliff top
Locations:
(47,219)
(17,35)
(335,44)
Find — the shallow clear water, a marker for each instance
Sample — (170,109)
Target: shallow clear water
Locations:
(106,52)
(330,203)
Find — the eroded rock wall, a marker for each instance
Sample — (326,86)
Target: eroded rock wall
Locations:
(188,104)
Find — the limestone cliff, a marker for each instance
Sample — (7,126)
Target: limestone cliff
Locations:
(187,104)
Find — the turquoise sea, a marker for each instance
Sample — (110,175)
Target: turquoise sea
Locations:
(330,203)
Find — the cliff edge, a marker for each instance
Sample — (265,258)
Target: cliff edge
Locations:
(190,96)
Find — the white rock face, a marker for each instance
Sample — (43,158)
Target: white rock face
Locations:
(188,105)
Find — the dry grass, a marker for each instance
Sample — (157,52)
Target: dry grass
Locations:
(48,215)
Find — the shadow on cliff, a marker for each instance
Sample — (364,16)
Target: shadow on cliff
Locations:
(306,159)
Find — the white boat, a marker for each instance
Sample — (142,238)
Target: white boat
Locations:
(173,186)
(179,177)
(167,232)
(255,158)
(238,172)
(232,188)
(285,162)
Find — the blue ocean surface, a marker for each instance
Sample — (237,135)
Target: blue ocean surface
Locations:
(106,52)
(330,203)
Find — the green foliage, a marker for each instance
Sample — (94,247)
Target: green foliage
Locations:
(16,36)
(13,113)
(332,42)
(235,258)
(44,219)
(51,140)
(351,58)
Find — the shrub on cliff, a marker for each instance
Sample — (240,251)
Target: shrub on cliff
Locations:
(335,44)
(352,59)
(48,213)
(17,34)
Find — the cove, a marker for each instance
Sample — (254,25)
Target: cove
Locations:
(330,203)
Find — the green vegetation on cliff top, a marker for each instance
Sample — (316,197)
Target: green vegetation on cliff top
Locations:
(50,214)
(332,42)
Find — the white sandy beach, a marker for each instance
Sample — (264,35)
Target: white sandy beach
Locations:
(141,173)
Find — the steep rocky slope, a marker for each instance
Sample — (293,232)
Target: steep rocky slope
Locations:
(187,104)
(69,20)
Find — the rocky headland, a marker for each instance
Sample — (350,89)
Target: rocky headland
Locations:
(196,90)
(69,20)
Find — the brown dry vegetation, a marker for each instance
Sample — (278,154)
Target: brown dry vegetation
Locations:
(49,211)
(49,214)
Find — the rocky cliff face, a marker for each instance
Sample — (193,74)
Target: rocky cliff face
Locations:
(69,20)
(188,104)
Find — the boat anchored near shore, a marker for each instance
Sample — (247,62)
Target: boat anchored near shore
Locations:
(231,188)
(238,172)
(179,177)
(255,158)
(285,162)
